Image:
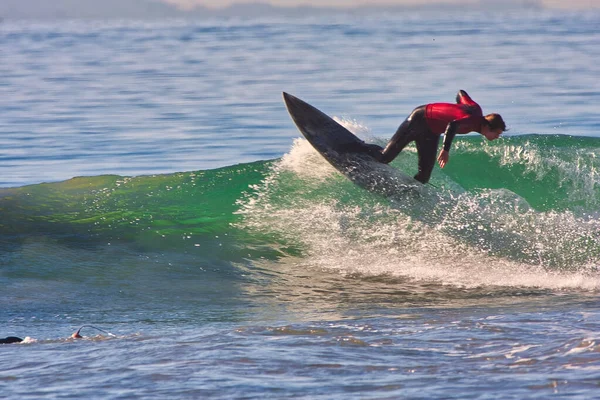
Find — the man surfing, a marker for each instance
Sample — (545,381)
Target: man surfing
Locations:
(425,125)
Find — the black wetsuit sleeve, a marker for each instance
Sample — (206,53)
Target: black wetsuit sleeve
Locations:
(449,134)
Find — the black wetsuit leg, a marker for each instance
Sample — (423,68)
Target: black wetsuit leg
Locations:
(414,128)
(403,136)
(411,129)
(427,145)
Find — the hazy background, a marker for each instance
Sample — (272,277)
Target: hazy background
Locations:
(43,9)
(355,3)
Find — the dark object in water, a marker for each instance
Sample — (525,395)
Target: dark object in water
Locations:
(10,339)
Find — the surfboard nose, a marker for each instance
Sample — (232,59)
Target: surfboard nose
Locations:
(299,109)
(305,116)
(290,100)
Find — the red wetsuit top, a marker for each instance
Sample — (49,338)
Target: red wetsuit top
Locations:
(464,117)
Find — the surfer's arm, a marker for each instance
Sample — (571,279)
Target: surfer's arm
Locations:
(450,133)
(448,137)
(463,97)
(453,127)
(451,130)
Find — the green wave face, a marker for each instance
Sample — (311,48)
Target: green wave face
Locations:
(528,199)
(161,211)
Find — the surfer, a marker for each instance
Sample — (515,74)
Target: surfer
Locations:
(76,335)
(10,339)
(425,125)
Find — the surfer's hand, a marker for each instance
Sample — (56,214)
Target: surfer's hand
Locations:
(443,158)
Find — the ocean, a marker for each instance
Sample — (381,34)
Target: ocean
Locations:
(155,193)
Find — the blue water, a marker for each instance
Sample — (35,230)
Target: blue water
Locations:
(277,278)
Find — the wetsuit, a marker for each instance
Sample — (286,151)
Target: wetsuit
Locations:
(425,125)
(10,339)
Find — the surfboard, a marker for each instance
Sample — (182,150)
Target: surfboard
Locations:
(345,152)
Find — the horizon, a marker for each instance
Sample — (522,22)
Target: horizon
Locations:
(348,4)
(156,9)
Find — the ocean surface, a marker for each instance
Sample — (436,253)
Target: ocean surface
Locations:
(155,193)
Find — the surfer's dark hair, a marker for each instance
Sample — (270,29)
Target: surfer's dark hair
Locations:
(495,121)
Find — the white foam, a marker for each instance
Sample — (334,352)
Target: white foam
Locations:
(491,238)
(576,169)
(304,161)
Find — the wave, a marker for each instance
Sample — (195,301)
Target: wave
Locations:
(517,212)
(552,172)
(502,215)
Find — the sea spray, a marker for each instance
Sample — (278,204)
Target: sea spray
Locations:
(458,236)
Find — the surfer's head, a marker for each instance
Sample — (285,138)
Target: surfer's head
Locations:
(493,126)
